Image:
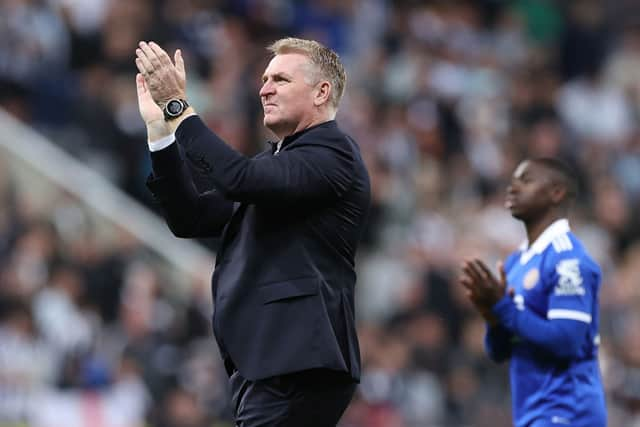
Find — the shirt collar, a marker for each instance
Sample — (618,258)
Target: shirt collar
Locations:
(557,228)
(275,146)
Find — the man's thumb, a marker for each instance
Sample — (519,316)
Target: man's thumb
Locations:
(177,57)
(503,274)
(139,83)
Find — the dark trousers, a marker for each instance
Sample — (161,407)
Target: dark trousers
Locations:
(315,398)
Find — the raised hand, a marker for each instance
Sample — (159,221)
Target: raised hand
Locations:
(150,112)
(164,79)
(483,288)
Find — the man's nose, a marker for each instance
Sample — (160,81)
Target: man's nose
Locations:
(266,89)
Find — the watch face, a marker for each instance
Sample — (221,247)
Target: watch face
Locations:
(174,107)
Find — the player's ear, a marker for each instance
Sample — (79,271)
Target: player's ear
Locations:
(558,193)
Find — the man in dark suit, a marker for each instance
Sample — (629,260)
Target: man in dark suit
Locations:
(290,219)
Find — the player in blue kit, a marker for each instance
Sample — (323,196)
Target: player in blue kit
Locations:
(542,312)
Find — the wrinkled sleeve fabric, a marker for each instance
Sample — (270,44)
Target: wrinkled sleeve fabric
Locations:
(188,212)
(318,167)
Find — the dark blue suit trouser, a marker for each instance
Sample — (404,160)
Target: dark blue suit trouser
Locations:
(315,398)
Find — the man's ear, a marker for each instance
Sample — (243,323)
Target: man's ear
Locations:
(322,93)
(558,193)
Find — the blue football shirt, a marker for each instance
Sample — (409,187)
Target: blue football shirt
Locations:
(549,331)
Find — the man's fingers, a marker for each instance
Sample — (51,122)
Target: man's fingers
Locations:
(467,267)
(469,292)
(140,87)
(141,67)
(143,63)
(179,62)
(473,272)
(150,55)
(484,272)
(467,282)
(503,274)
(160,53)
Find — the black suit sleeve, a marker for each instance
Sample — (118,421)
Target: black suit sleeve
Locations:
(318,167)
(188,212)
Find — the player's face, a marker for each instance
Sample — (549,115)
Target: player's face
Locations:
(286,93)
(529,194)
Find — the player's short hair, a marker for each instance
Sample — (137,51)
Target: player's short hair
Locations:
(563,173)
(327,62)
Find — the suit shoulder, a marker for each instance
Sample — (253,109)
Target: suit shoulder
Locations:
(264,153)
(331,138)
(324,133)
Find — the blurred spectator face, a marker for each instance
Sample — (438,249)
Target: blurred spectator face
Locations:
(287,93)
(18,320)
(69,281)
(428,332)
(611,206)
(545,138)
(183,411)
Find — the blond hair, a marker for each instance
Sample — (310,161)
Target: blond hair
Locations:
(325,60)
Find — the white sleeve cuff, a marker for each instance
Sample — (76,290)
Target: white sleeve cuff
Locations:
(162,143)
(559,313)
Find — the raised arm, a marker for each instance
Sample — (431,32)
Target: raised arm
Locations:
(571,286)
(318,167)
(188,212)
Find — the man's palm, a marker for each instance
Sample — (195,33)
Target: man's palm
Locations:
(149,110)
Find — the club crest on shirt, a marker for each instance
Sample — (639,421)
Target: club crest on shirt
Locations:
(531,278)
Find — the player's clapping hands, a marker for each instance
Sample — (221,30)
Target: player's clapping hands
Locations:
(483,288)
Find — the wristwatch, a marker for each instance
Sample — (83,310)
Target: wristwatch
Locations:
(174,108)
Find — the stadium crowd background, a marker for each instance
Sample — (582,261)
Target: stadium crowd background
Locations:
(444,98)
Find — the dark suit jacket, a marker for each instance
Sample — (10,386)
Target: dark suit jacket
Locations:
(283,285)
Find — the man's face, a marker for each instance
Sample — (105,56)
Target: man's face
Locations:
(287,93)
(529,194)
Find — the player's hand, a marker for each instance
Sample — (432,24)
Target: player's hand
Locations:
(481,307)
(164,79)
(484,289)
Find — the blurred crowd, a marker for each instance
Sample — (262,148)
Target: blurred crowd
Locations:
(445,97)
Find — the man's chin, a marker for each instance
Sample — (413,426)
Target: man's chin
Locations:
(270,122)
(517,214)
(274,125)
